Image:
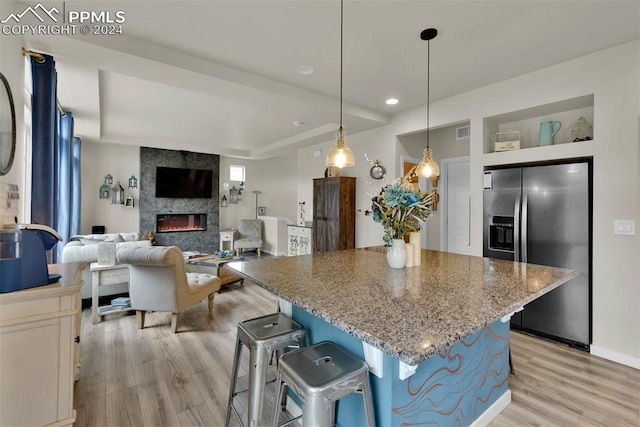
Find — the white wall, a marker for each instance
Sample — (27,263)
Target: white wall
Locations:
(120,161)
(612,76)
(276,178)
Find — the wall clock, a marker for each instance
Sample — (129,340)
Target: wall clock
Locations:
(377,171)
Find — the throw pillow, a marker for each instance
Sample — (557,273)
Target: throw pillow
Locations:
(91,241)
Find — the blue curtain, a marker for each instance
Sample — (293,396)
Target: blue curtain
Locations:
(55,176)
(43,138)
(68,179)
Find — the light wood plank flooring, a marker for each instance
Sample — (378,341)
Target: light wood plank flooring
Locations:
(154,378)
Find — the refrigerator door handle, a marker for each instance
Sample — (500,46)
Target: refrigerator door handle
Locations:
(516,229)
(525,214)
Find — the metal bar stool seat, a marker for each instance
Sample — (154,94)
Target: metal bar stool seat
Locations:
(262,336)
(320,375)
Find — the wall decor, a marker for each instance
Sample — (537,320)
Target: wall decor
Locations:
(377,171)
(234,195)
(7,127)
(301,220)
(105,189)
(117,194)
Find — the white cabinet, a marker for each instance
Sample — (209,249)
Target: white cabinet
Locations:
(38,351)
(274,239)
(299,240)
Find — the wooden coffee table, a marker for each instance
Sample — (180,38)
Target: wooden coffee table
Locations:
(211,264)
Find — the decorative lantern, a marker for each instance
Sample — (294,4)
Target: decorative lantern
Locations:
(582,131)
(234,195)
(117,194)
(105,188)
(133,182)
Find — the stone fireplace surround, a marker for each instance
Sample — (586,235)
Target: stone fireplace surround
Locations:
(206,240)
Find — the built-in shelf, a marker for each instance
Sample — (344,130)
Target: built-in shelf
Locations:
(527,122)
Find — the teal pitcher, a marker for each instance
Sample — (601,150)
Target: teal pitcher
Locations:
(547,132)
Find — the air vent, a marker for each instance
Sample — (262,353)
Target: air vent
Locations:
(462,132)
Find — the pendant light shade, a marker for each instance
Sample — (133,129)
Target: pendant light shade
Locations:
(428,168)
(340,155)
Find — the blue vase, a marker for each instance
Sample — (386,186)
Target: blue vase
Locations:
(547,131)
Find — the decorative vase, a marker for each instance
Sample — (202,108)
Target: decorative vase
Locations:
(397,254)
(416,240)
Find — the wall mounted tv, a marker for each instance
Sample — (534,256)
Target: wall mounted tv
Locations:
(183,183)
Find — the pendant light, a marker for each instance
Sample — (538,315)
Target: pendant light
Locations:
(428,168)
(340,155)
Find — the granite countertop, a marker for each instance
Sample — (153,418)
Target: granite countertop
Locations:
(412,313)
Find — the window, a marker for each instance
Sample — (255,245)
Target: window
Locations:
(236,173)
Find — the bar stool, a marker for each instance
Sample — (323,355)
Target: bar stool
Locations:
(262,335)
(320,375)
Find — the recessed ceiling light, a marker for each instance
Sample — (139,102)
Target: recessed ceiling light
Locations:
(391,101)
(305,70)
(298,123)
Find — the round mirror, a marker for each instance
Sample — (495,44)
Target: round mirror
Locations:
(7,127)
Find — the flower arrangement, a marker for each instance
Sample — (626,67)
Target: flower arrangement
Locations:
(150,235)
(400,209)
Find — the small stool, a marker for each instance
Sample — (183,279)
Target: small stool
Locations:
(262,335)
(320,375)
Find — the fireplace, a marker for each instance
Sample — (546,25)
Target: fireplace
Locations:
(181,222)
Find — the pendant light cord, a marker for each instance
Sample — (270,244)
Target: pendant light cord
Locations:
(341,49)
(428,95)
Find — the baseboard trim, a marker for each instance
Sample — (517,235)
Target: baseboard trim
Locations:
(483,420)
(494,410)
(614,356)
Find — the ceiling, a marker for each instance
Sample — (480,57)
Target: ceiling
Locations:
(220,76)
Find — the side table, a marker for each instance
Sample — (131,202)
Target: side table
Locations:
(227,236)
(106,275)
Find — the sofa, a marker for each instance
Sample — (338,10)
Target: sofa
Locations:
(85,248)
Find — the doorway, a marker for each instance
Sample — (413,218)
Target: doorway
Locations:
(455,229)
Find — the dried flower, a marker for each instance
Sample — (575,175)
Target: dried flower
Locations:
(400,209)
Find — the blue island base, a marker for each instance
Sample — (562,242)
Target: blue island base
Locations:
(456,387)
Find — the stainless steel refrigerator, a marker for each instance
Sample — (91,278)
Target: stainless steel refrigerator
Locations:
(542,215)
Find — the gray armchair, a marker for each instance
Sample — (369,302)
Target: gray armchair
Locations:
(249,236)
(158,281)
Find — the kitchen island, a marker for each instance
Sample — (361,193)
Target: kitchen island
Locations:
(436,336)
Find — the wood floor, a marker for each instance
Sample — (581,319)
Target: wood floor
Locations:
(154,378)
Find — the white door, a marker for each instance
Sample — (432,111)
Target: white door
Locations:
(458,203)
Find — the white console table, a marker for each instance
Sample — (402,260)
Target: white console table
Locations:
(106,275)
